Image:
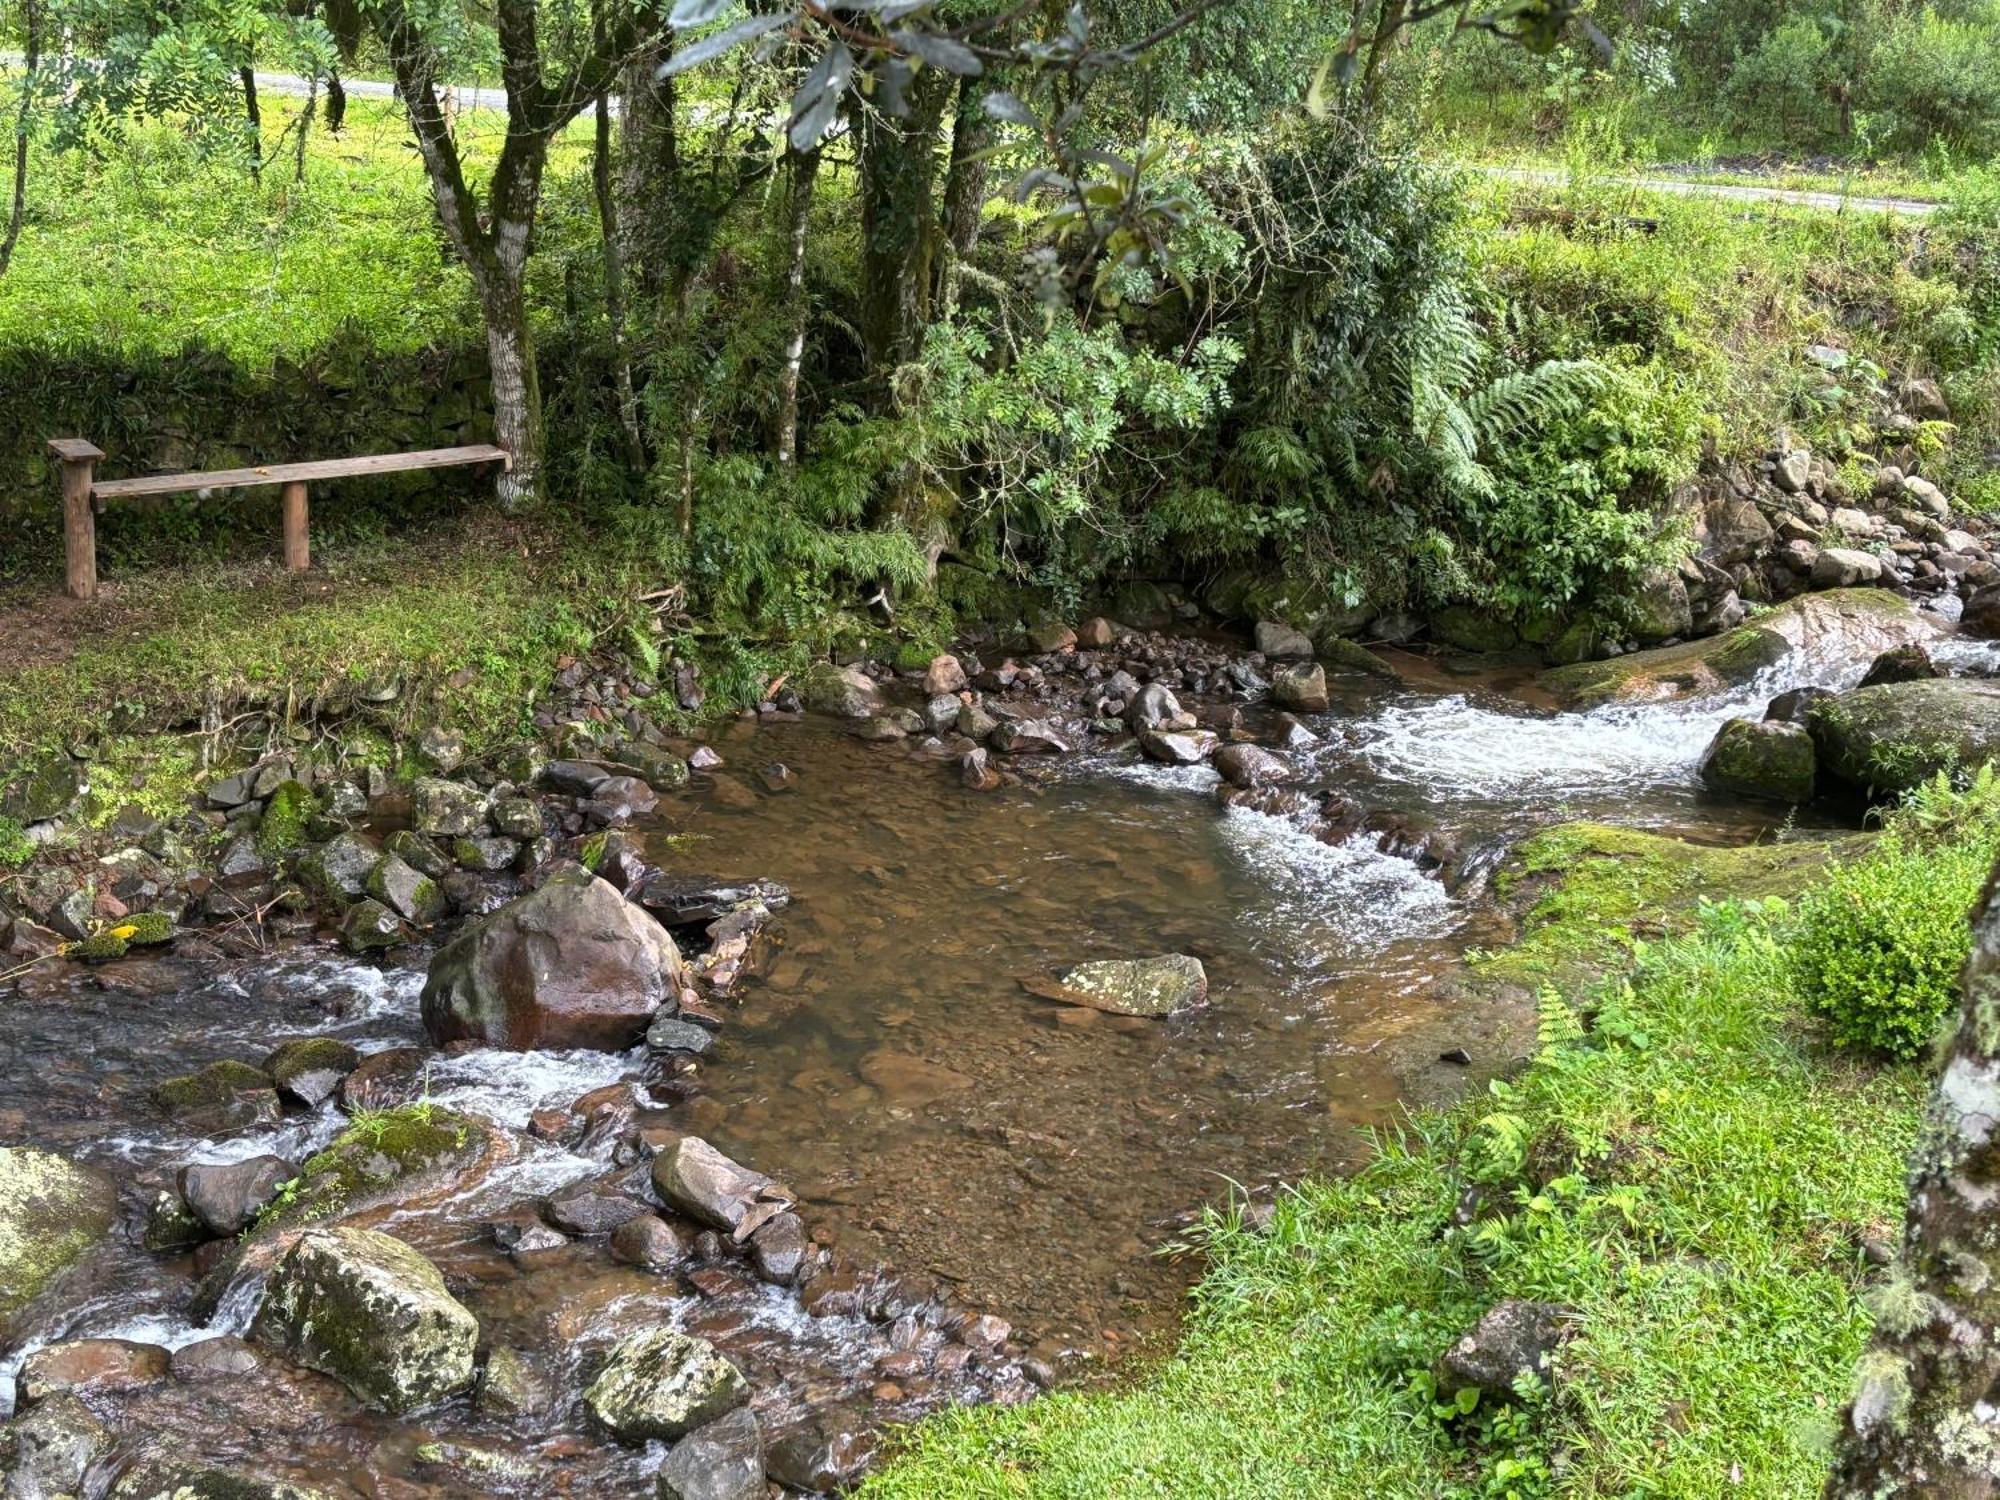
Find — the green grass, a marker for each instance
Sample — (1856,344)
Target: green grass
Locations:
(1685,1165)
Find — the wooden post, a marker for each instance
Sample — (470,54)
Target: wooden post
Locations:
(298,548)
(79,458)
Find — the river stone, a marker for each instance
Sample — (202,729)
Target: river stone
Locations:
(1134,986)
(51,1212)
(310,1069)
(1154,706)
(89,1367)
(174,1483)
(574,778)
(1514,1338)
(221,1099)
(339,869)
(662,1384)
(1982,613)
(408,892)
(171,1224)
(446,809)
(880,729)
(369,927)
(672,1034)
(221,1358)
(944,675)
(591,1209)
(1893,737)
(700,1181)
(521,817)
(721,1461)
(1765,758)
(941,712)
(226,1196)
(1471,629)
(1049,636)
(648,1241)
(1251,765)
(1909,663)
(844,692)
(1301,687)
(45,1453)
(485,855)
(779,1249)
(680,900)
(1282,642)
(1178,747)
(573,964)
(1792,705)
(1029,737)
(1844,567)
(372,1313)
(419,853)
(1848,623)
(508,1387)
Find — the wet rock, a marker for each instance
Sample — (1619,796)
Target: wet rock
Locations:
(419,853)
(384,1080)
(372,1313)
(705,758)
(1251,766)
(485,855)
(844,692)
(1030,737)
(779,1249)
(1844,567)
(1051,636)
(591,1209)
(1282,642)
(1132,986)
(1791,706)
(1982,613)
(533,1240)
(171,1482)
(661,1384)
(171,1224)
(1178,747)
(573,778)
(1292,735)
(941,713)
(446,809)
(1909,663)
(408,892)
(879,729)
(89,1366)
(223,1098)
(975,723)
(508,1387)
(309,1069)
(1893,737)
(1765,758)
(369,927)
(46,1453)
(827,1452)
(620,799)
(226,1196)
(657,767)
(723,1460)
(1301,687)
(700,1181)
(1514,1339)
(672,1034)
(689,900)
(520,817)
(975,771)
(944,676)
(1478,630)
(908,1080)
(648,1241)
(573,964)
(221,1358)
(1154,706)
(338,870)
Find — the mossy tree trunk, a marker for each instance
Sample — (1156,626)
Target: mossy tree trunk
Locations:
(804,173)
(964,186)
(898,161)
(1925,1422)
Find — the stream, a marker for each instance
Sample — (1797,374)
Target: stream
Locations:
(886,1063)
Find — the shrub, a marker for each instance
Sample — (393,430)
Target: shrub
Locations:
(1877,946)
(1933,75)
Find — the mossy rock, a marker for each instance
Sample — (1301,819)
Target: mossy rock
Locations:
(1890,738)
(51,1212)
(283,826)
(1761,758)
(224,1096)
(375,1159)
(1471,629)
(1339,654)
(98,948)
(37,792)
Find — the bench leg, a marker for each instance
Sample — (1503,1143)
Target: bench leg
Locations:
(298,550)
(79,530)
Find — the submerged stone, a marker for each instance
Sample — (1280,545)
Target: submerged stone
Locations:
(662,1384)
(374,1314)
(310,1069)
(1132,986)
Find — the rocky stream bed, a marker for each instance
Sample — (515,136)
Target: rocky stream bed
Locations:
(675,1117)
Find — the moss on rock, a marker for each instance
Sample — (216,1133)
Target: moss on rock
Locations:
(283,826)
(51,1212)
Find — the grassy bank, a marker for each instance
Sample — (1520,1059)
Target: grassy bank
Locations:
(1688,1166)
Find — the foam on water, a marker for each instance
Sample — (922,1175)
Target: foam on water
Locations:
(167,1330)
(294,1140)
(508,1087)
(361,992)
(1383,898)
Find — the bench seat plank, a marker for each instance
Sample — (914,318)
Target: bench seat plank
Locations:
(326,468)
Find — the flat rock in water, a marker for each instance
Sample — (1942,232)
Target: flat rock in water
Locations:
(684,900)
(662,1384)
(87,1366)
(1130,986)
(700,1181)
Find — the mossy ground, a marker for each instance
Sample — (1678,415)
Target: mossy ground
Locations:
(1686,1165)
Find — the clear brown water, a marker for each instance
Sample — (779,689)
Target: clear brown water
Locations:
(886,1061)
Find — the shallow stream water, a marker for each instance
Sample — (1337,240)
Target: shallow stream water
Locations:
(886,1061)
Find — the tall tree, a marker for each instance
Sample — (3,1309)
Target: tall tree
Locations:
(1925,1421)
(24,114)
(550,79)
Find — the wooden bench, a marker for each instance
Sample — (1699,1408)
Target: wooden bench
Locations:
(84,495)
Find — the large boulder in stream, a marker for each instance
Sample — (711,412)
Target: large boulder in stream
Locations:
(573,964)
(51,1212)
(45,1453)
(663,1384)
(374,1314)
(1887,739)
(1849,624)
(1764,758)
(722,1461)
(701,1182)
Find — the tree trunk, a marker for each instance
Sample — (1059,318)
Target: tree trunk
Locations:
(964,187)
(1925,1423)
(898,166)
(517,390)
(614,289)
(649,170)
(805,171)
(255,119)
(31,60)
(336,103)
